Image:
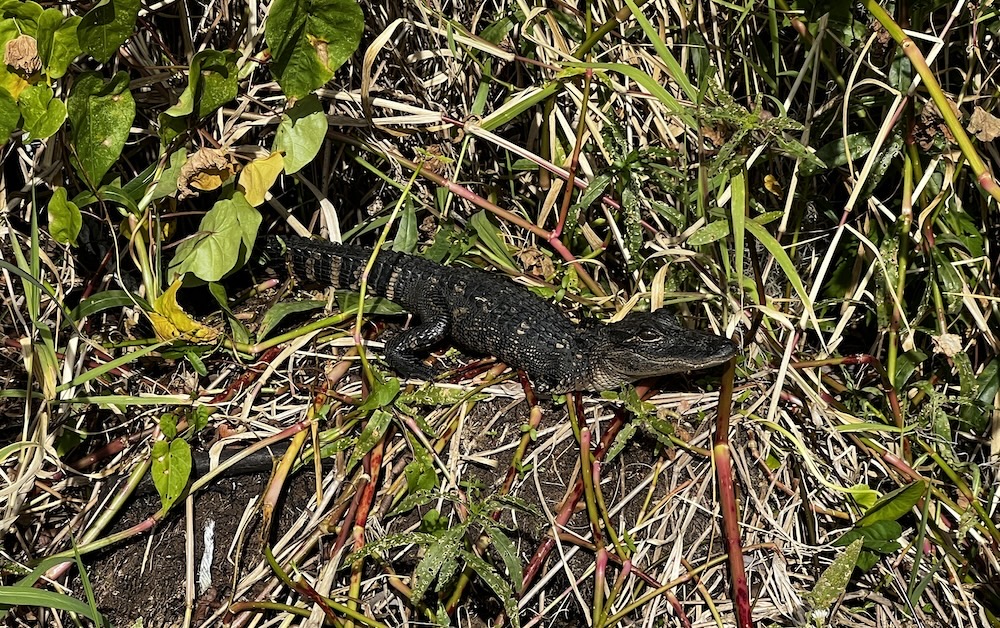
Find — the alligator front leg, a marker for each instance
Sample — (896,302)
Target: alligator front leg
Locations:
(405,350)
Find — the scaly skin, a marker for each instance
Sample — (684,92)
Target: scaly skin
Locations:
(491,315)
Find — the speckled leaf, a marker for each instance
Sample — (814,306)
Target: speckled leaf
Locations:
(439,560)
(100,114)
(171,469)
(381,395)
(496,582)
(833,582)
(508,553)
(106,27)
(632,217)
(301,133)
(309,40)
(711,232)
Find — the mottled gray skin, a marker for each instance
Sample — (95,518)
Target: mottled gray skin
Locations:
(491,315)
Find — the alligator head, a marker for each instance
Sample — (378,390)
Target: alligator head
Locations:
(651,344)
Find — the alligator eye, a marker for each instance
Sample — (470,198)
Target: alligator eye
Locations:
(649,335)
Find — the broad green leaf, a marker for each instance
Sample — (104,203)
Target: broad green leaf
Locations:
(258,176)
(881,536)
(24,10)
(282,309)
(198,418)
(65,48)
(48,21)
(381,395)
(835,154)
(894,505)
(711,232)
(218,83)
(57,43)
(226,235)
(211,84)
(833,582)
(374,430)
(64,218)
(106,27)
(309,40)
(101,115)
(171,322)
(301,133)
(9,115)
(168,425)
(43,114)
(171,469)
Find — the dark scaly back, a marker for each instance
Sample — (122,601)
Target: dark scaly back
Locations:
(328,264)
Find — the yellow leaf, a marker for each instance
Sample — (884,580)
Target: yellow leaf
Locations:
(13,83)
(258,177)
(170,322)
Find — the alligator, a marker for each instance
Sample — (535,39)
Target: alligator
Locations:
(491,315)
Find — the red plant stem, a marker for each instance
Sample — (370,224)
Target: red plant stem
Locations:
(727,501)
(574,162)
(567,507)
